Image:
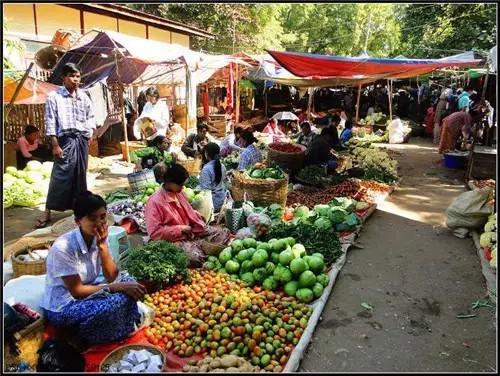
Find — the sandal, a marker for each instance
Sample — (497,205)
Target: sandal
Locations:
(42,223)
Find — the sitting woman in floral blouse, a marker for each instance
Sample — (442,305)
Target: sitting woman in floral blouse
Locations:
(74,297)
(169,216)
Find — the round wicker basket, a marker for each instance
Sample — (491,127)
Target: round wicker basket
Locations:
(259,191)
(287,161)
(24,246)
(193,166)
(118,353)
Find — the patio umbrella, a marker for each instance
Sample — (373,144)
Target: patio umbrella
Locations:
(285,115)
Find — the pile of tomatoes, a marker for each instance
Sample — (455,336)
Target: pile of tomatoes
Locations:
(215,315)
(286,147)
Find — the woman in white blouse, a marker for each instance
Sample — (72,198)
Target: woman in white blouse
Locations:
(157,111)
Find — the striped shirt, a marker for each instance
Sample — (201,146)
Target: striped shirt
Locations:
(249,156)
(66,114)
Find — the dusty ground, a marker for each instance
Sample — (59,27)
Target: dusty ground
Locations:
(417,276)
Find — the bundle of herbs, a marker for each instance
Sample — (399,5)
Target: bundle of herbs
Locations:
(159,262)
(314,239)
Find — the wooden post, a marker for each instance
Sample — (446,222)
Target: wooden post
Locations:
(485,84)
(309,103)
(18,89)
(265,99)
(122,103)
(237,98)
(389,95)
(357,104)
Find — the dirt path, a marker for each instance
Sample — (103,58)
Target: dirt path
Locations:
(417,276)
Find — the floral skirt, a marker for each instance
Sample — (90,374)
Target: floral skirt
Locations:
(101,319)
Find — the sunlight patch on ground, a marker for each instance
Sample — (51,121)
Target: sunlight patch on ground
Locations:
(436,218)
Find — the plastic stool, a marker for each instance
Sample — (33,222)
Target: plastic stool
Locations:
(119,242)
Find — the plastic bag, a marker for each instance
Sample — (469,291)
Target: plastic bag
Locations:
(245,232)
(205,206)
(470,210)
(259,223)
(59,356)
(396,132)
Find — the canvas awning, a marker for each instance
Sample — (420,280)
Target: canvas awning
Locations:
(364,68)
(32,92)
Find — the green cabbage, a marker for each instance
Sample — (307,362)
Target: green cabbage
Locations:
(33,166)
(323,224)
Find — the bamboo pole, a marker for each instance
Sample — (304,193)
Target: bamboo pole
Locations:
(357,104)
(389,95)
(18,89)
(237,97)
(310,102)
(122,104)
(265,99)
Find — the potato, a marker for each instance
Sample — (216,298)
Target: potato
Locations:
(218,370)
(215,364)
(241,362)
(229,361)
(232,370)
(204,368)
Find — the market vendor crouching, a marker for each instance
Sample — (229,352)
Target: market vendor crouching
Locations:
(195,143)
(157,150)
(74,297)
(29,148)
(169,216)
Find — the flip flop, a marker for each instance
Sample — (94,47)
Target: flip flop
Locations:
(42,223)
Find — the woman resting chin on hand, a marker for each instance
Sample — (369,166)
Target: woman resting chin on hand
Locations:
(98,313)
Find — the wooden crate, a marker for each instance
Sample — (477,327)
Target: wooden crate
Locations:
(481,163)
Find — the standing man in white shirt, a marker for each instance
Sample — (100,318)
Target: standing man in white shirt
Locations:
(157,111)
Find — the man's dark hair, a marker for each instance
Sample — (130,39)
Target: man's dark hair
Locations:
(156,142)
(87,203)
(238,130)
(335,118)
(153,92)
(348,124)
(201,126)
(248,136)
(468,88)
(70,68)
(30,129)
(176,174)
(305,124)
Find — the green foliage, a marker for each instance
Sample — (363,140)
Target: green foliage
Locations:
(159,261)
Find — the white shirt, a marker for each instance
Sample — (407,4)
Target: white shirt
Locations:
(159,113)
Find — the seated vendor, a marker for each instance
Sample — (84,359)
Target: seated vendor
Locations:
(251,154)
(306,135)
(213,175)
(195,143)
(74,298)
(346,134)
(320,150)
(156,152)
(272,128)
(231,143)
(169,216)
(29,148)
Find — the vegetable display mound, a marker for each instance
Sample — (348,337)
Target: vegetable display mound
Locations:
(147,192)
(285,147)
(277,263)
(315,240)
(217,315)
(360,190)
(488,240)
(192,182)
(159,262)
(261,171)
(26,187)
(378,165)
(232,160)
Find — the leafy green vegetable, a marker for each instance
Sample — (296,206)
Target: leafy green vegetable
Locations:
(160,262)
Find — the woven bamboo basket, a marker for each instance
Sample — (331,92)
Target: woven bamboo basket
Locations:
(211,249)
(117,354)
(193,166)
(28,342)
(259,191)
(24,246)
(287,161)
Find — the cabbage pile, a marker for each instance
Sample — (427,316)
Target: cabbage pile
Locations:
(26,187)
(488,240)
(378,165)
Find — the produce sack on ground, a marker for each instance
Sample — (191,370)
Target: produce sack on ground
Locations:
(396,132)
(470,210)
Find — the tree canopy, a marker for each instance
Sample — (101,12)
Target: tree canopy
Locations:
(380,30)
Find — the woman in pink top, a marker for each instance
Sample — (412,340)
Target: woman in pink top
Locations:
(169,216)
(29,148)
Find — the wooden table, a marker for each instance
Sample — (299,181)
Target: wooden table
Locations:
(481,163)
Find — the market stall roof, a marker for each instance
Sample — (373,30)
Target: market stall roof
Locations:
(140,61)
(367,69)
(32,92)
